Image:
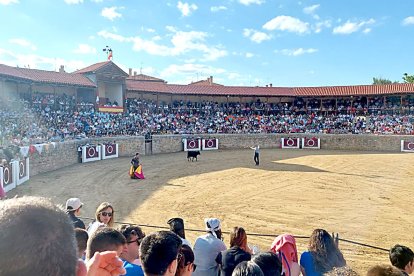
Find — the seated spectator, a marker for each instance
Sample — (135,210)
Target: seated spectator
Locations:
(105,239)
(247,268)
(269,263)
(207,247)
(384,270)
(104,216)
(160,253)
(133,236)
(323,254)
(82,240)
(238,252)
(402,258)
(186,265)
(177,226)
(73,206)
(285,247)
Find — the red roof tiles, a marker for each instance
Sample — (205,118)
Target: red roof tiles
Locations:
(92,68)
(42,76)
(355,90)
(142,77)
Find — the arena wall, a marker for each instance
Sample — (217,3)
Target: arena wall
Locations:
(65,154)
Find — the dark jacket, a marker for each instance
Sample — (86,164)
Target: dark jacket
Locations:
(230,258)
(77,222)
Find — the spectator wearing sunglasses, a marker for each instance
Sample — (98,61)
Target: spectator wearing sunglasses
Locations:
(186,265)
(133,236)
(104,216)
(160,252)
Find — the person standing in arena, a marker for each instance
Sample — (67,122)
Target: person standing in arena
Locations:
(256,154)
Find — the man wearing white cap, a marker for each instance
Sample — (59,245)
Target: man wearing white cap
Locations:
(73,206)
(207,247)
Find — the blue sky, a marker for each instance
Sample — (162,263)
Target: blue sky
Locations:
(238,42)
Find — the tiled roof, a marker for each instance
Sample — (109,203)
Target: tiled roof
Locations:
(205,82)
(356,90)
(208,90)
(142,77)
(43,76)
(93,67)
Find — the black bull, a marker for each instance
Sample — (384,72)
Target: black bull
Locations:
(192,154)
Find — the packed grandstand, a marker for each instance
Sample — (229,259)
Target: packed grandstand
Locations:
(102,100)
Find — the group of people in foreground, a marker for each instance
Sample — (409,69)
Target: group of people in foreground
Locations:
(39,238)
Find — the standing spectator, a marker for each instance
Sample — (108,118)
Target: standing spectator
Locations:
(104,216)
(323,254)
(133,236)
(402,258)
(160,253)
(238,252)
(186,265)
(207,247)
(177,226)
(73,206)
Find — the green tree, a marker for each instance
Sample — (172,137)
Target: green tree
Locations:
(380,81)
(408,78)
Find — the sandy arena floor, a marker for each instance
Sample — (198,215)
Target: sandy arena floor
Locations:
(365,197)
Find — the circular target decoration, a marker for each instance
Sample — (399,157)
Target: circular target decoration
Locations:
(110,149)
(91,152)
(192,144)
(6,175)
(290,142)
(410,145)
(210,143)
(22,169)
(310,143)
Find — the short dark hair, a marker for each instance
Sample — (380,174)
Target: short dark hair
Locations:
(177,226)
(54,236)
(247,268)
(186,259)
(158,250)
(269,263)
(81,239)
(130,230)
(384,270)
(104,239)
(400,256)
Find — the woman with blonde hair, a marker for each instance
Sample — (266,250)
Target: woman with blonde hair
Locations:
(322,256)
(238,252)
(104,216)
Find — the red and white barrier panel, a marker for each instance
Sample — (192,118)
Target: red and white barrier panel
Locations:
(91,153)
(192,144)
(290,143)
(407,146)
(311,143)
(8,176)
(109,151)
(210,144)
(22,173)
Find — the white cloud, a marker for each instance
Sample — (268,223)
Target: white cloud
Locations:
(320,25)
(287,23)
(186,8)
(296,52)
(408,21)
(182,43)
(248,2)
(218,8)
(111,13)
(39,62)
(150,30)
(73,2)
(85,49)
(249,55)
(8,2)
(352,27)
(311,11)
(256,36)
(186,71)
(97,1)
(23,42)
(367,30)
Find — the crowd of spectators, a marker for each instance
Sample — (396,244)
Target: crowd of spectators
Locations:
(50,118)
(62,246)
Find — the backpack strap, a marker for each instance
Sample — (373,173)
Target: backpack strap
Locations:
(283,257)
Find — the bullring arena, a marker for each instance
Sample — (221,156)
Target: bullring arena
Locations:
(357,185)
(363,196)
